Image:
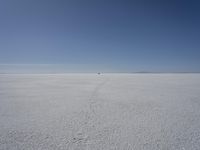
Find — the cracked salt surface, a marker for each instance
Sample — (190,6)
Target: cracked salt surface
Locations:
(95,112)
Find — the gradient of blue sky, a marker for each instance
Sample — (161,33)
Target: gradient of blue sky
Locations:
(104,35)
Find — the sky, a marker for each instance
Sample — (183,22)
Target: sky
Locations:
(100,35)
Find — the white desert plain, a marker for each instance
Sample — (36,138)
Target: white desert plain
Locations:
(100,111)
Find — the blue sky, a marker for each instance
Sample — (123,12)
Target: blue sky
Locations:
(100,35)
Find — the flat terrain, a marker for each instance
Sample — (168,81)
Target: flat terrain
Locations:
(100,112)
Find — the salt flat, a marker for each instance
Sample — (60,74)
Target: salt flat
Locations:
(100,112)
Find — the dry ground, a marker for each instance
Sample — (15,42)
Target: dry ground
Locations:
(100,112)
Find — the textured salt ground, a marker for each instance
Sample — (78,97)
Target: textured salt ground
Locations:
(96,112)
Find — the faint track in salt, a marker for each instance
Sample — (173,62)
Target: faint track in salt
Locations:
(92,102)
(80,139)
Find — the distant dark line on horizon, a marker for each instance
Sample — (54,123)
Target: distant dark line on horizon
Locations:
(101,73)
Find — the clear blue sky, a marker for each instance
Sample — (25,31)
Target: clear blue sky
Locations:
(101,35)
